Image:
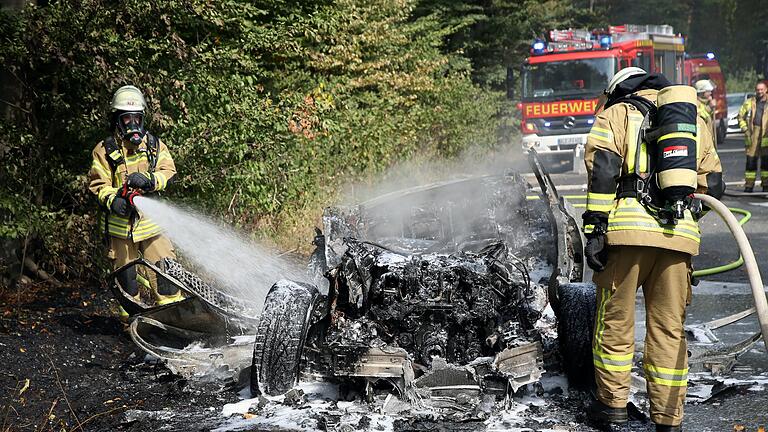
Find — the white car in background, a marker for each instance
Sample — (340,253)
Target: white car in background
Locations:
(734,101)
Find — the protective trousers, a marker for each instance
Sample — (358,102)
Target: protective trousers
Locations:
(757,151)
(154,249)
(665,278)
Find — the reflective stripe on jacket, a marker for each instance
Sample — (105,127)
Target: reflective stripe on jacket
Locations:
(613,147)
(106,183)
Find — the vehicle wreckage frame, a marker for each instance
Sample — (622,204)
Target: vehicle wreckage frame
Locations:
(437,293)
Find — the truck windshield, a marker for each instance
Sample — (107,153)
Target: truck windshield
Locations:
(568,78)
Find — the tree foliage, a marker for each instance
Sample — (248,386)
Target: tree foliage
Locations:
(499,32)
(732,29)
(267,106)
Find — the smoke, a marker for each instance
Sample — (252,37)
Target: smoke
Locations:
(447,203)
(420,172)
(247,270)
(236,265)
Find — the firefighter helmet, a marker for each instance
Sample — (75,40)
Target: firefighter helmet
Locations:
(128,106)
(128,98)
(622,76)
(704,85)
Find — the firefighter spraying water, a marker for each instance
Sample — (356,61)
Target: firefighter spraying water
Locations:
(128,163)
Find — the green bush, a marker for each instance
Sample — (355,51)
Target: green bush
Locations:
(268,107)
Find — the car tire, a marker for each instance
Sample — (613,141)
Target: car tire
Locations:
(575,327)
(280,336)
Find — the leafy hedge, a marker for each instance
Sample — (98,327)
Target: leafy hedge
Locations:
(267,106)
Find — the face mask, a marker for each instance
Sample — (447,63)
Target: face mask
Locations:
(131,126)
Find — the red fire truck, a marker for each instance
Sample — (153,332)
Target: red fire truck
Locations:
(565,75)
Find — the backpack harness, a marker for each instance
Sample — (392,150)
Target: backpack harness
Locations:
(645,186)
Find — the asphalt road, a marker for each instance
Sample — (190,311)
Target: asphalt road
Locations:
(722,294)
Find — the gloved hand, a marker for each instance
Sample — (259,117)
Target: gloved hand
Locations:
(120,206)
(141,180)
(595,251)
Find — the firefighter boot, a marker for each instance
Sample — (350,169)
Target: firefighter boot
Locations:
(667,428)
(166,292)
(750,173)
(171,298)
(607,418)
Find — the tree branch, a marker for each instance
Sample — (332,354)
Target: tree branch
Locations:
(13,105)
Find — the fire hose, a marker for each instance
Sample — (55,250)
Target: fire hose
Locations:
(755,281)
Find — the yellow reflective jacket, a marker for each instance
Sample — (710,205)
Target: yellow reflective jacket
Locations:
(610,153)
(105,183)
(753,136)
(706,113)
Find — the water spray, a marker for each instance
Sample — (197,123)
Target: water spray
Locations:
(235,264)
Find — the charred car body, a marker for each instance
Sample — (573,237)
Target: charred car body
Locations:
(437,293)
(440,288)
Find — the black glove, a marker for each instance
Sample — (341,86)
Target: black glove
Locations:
(141,180)
(595,251)
(120,206)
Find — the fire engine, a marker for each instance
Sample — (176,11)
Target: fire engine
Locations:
(566,73)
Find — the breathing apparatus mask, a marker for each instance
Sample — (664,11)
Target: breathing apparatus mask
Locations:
(130,124)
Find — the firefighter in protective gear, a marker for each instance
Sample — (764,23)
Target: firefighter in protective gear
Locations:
(706,104)
(629,246)
(131,159)
(753,121)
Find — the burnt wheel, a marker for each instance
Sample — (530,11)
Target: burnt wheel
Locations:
(575,324)
(280,337)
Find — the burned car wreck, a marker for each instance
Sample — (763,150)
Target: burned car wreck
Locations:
(442,295)
(438,293)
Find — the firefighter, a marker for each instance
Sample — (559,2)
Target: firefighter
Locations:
(753,121)
(131,159)
(706,104)
(631,243)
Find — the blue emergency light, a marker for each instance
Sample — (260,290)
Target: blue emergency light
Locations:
(539,46)
(710,56)
(591,121)
(605,41)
